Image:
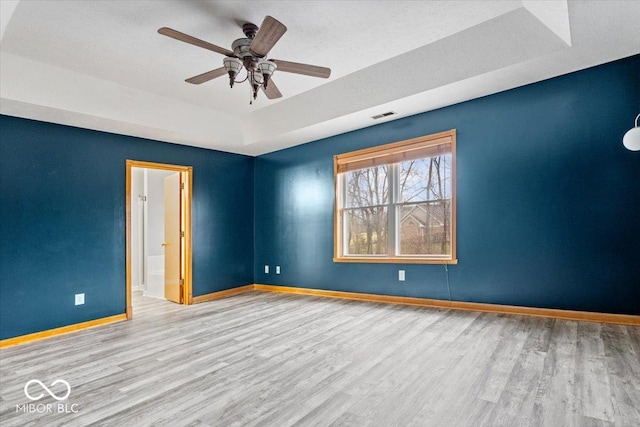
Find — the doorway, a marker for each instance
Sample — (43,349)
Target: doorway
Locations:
(158,232)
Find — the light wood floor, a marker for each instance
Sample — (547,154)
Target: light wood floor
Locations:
(276,360)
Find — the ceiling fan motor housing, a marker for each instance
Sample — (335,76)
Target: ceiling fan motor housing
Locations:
(250,30)
(241,48)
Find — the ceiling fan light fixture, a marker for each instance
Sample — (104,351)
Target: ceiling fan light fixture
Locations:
(267,68)
(256,83)
(233,67)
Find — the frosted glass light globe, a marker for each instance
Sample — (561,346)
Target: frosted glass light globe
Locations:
(631,139)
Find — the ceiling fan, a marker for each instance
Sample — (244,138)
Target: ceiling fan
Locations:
(251,53)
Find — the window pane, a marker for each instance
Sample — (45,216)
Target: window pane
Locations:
(367,187)
(366,230)
(425,179)
(425,228)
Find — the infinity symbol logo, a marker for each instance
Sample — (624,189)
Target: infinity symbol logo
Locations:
(52,394)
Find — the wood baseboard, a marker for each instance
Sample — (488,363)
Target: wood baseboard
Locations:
(23,339)
(10,342)
(223,294)
(586,316)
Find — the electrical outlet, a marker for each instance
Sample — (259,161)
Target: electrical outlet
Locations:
(266,269)
(277,269)
(401,275)
(79,299)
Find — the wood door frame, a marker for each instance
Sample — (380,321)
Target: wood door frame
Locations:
(186,200)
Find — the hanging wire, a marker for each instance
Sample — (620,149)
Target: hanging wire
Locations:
(448,287)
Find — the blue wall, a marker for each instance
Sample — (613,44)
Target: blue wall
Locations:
(548,208)
(62,226)
(548,200)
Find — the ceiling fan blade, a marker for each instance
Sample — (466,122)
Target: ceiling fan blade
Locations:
(205,77)
(268,35)
(169,32)
(306,69)
(272,90)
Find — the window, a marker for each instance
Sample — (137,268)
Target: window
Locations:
(396,202)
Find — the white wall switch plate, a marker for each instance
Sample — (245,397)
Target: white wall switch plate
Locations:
(266,269)
(79,299)
(401,275)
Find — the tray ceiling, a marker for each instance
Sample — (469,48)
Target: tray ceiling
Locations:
(102,65)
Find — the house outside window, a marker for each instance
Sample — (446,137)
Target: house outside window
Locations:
(396,203)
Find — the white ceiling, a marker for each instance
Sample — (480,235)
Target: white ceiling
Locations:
(102,65)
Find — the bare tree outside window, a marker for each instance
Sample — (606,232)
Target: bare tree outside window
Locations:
(367,197)
(425,190)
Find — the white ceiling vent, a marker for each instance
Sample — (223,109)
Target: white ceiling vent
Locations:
(379,116)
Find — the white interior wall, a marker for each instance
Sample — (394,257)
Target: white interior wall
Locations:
(137,190)
(155,210)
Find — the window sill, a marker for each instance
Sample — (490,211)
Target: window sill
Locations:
(395,260)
